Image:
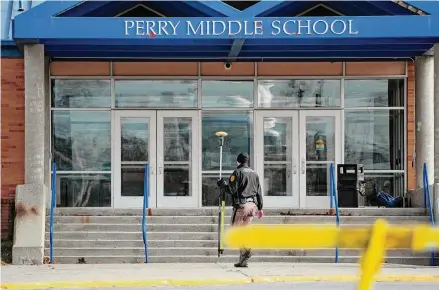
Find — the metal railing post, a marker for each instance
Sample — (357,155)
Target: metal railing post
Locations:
(145,206)
(52,209)
(428,204)
(334,201)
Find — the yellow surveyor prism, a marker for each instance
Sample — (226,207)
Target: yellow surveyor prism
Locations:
(374,240)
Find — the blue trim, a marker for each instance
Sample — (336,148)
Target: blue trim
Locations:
(9,49)
(114,28)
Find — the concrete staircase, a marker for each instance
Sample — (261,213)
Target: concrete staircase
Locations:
(190,236)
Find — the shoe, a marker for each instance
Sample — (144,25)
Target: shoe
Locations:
(238,265)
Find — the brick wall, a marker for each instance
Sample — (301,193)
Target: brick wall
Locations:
(411,172)
(12,134)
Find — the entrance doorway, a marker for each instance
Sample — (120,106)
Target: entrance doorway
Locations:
(166,141)
(293,156)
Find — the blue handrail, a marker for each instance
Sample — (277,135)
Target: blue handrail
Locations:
(334,200)
(145,206)
(427,197)
(52,209)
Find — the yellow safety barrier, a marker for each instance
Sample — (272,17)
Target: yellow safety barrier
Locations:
(374,240)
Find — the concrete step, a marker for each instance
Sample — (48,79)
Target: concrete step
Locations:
(213,211)
(226,259)
(132,244)
(212,251)
(214,219)
(115,235)
(192,228)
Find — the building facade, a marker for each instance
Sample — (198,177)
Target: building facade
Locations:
(106,90)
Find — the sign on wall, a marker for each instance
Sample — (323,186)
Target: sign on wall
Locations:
(236,28)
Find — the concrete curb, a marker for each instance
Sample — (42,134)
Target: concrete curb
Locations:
(212,281)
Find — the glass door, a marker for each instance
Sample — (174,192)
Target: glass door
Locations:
(178,159)
(276,156)
(135,146)
(320,145)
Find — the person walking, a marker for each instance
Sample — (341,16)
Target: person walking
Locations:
(245,188)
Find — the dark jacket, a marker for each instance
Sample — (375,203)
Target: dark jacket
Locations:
(244,184)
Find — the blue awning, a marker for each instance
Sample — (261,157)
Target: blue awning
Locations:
(201,30)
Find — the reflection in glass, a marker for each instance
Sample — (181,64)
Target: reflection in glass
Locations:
(317,179)
(81,140)
(134,139)
(227,94)
(132,179)
(277,180)
(391,183)
(156,93)
(320,138)
(177,181)
(177,134)
(210,189)
(374,93)
(375,138)
(277,156)
(81,93)
(239,126)
(298,93)
(84,190)
(277,139)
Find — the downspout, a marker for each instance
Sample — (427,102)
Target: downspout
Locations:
(7,20)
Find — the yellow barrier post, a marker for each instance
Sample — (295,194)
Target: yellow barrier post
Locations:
(374,240)
(222,202)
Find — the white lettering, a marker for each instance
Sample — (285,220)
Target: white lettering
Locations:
(350,28)
(140,27)
(215,26)
(325,24)
(194,32)
(258,28)
(308,26)
(275,25)
(239,27)
(174,27)
(284,28)
(246,26)
(131,25)
(150,27)
(333,27)
(230,27)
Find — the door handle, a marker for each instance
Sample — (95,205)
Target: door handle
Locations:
(302,165)
(160,170)
(152,170)
(288,173)
(294,166)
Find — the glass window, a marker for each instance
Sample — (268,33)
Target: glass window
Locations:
(156,93)
(375,138)
(84,190)
(298,93)
(81,93)
(374,93)
(239,126)
(81,140)
(391,183)
(226,94)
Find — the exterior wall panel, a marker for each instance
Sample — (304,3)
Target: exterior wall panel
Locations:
(300,69)
(12,135)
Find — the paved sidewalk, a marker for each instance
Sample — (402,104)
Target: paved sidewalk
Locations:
(132,275)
